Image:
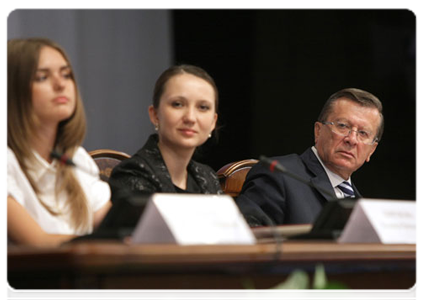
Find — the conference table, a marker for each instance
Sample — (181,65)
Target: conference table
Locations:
(108,264)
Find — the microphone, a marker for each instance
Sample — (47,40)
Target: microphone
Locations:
(275,165)
(62,158)
(66,160)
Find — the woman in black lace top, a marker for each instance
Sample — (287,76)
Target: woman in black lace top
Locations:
(184,114)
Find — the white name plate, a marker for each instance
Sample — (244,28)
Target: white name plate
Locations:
(381,221)
(192,219)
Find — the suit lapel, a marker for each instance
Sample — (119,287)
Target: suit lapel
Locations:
(320,180)
(356,192)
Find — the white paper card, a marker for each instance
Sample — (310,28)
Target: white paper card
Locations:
(381,221)
(192,219)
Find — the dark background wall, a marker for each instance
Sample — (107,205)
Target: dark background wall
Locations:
(276,68)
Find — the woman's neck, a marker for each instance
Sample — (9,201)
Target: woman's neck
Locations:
(44,140)
(176,161)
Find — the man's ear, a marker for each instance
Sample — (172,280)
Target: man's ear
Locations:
(317,128)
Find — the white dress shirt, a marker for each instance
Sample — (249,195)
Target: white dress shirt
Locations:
(97,192)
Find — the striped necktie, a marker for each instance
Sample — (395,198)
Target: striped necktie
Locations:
(347,189)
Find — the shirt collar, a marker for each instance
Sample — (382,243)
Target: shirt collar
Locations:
(334,179)
(39,167)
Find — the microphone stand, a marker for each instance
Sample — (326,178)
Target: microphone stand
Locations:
(65,160)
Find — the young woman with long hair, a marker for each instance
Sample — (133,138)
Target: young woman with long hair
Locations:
(48,202)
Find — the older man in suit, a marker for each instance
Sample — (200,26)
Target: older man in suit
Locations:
(347,133)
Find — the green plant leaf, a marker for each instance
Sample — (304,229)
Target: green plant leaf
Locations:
(294,288)
(320,281)
(251,293)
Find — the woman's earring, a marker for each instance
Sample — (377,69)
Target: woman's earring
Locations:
(210,135)
(156,127)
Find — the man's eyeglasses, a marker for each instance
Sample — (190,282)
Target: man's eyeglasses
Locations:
(343,129)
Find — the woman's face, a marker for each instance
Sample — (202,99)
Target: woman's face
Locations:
(186,114)
(53,88)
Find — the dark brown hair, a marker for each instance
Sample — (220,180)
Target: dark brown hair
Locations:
(177,70)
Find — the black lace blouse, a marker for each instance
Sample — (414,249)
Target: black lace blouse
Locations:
(146,171)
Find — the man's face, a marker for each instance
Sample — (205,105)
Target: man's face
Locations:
(343,155)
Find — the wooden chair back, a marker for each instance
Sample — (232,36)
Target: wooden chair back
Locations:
(232,176)
(106,160)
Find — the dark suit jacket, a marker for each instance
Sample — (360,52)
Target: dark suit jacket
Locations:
(274,198)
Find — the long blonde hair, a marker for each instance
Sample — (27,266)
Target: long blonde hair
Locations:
(22,63)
